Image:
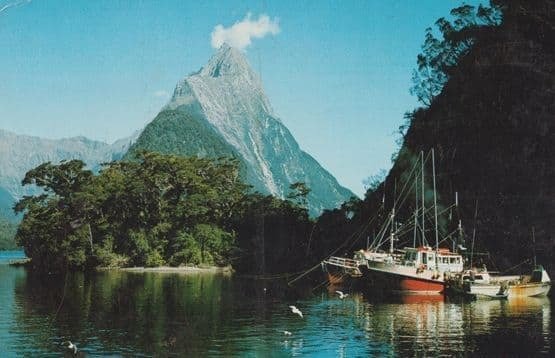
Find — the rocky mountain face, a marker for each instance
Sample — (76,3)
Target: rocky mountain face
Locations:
(493,130)
(222,110)
(20,153)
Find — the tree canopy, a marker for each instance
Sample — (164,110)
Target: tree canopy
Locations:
(440,55)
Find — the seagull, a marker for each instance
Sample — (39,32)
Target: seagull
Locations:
(341,294)
(296,311)
(287,333)
(71,346)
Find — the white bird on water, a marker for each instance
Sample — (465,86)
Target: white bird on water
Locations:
(287,333)
(341,294)
(296,311)
(71,346)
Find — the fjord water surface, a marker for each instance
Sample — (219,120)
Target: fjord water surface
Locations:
(153,314)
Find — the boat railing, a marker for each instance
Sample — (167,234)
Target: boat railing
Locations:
(351,266)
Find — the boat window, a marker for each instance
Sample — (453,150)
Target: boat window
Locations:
(453,260)
(424,258)
(478,277)
(445,260)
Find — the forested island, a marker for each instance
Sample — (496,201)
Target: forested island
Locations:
(157,210)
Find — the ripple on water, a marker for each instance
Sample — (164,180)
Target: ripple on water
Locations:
(162,315)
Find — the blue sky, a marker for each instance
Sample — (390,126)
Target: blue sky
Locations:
(337,74)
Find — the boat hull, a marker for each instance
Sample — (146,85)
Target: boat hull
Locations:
(539,289)
(397,282)
(336,278)
(487,291)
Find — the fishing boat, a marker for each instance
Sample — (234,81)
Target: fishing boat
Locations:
(537,284)
(418,269)
(479,283)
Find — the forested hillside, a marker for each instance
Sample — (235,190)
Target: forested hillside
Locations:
(486,81)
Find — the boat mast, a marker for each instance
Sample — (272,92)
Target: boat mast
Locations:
(435,204)
(415,209)
(459,227)
(423,203)
(392,231)
(534,245)
(392,227)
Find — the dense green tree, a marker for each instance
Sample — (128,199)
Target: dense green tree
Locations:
(440,56)
(51,231)
(299,194)
(135,212)
(7,234)
(273,235)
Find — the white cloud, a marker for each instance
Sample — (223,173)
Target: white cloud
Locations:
(240,34)
(13,4)
(161,94)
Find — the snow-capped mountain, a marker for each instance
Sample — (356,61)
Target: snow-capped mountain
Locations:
(223,110)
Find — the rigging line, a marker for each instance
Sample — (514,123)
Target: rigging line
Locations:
(515,266)
(408,229)
(416,175)
(448,236)
(362,230)
(396,201)
(380,238)
(410,177)
(319,263)
(310,237)
(304,274)
(407,195)
(352,236)
(409,225)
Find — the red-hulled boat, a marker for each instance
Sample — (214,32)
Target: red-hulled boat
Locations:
(414,270)
(420,270)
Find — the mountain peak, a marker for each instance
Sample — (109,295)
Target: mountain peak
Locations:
(226,61)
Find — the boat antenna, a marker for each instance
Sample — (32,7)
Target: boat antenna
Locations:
(460,240)
(392,230)
(435,204)
(473,232)
(534,245)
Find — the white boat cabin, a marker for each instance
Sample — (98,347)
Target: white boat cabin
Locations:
(424,258)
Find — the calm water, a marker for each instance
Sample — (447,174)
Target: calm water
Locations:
(153,314)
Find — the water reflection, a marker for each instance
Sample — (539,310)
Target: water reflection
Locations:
(145,314)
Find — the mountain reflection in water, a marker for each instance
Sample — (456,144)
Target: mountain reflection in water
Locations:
(145,314)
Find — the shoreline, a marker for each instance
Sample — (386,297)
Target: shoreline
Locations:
(178,269)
